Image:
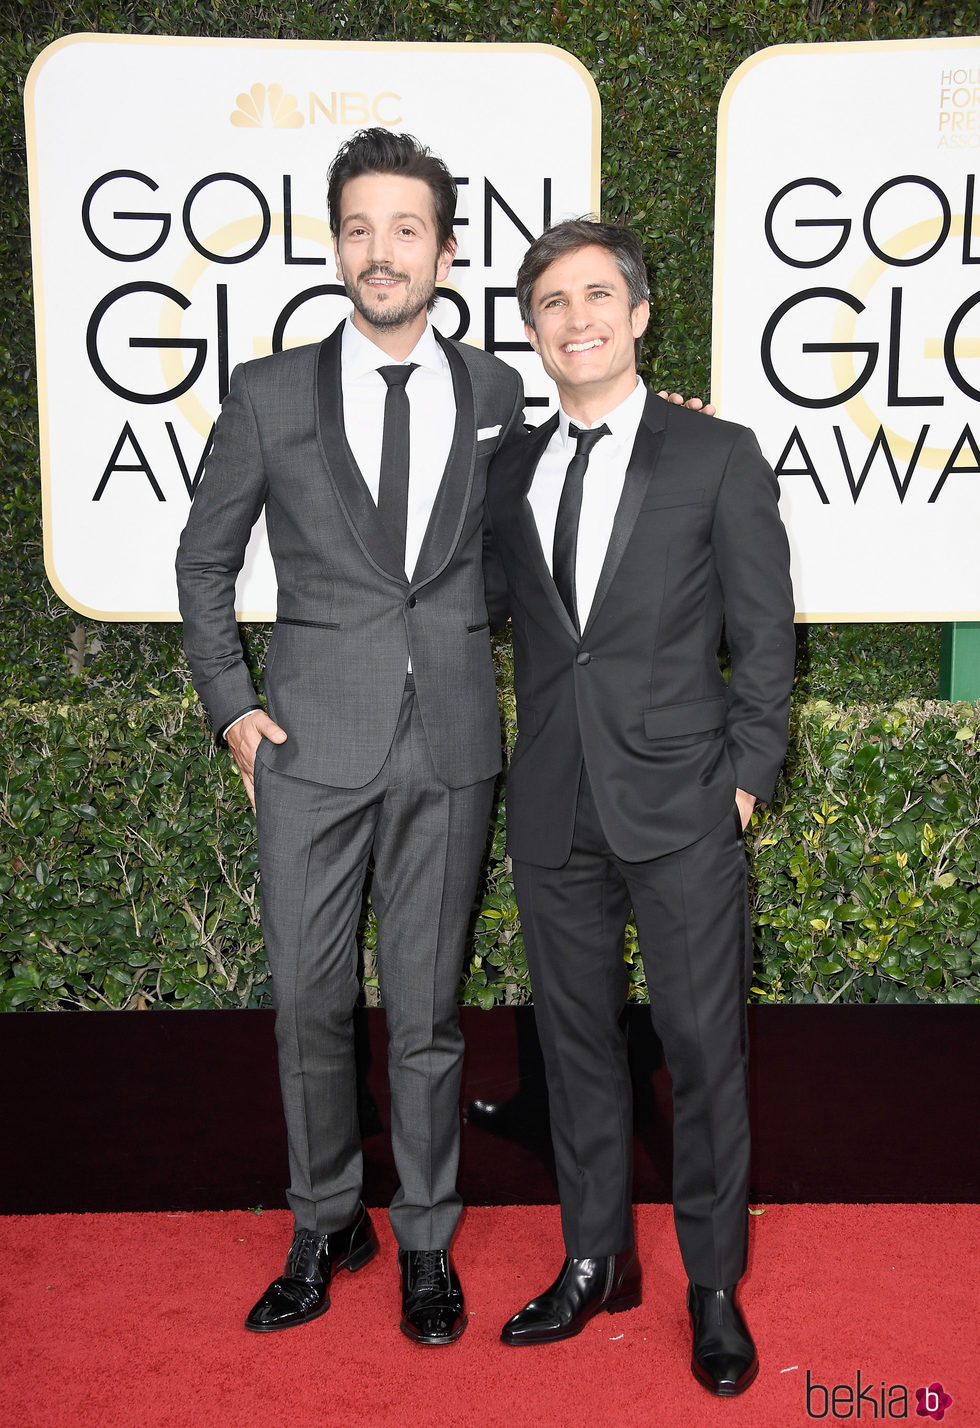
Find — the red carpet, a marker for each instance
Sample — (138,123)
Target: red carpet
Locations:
(135,1320)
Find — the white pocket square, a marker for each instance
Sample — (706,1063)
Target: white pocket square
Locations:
(485,432)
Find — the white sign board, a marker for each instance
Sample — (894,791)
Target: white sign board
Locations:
(178,214)
(847,315)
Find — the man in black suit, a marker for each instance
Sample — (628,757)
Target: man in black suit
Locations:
(632,532)
(368,453)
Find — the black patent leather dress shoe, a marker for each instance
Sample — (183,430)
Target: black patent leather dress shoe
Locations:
(584,1288)
(301,1292)
(432,1298)
(724,1359)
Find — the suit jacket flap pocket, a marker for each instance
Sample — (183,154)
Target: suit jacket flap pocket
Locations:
(697,716)
(660,498)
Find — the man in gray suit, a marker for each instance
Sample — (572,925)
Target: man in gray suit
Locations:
(368,453)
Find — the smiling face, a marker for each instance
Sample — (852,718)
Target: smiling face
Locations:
(585,330)
(388,256)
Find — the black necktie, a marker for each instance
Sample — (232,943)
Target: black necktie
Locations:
(569,512)
(393,479)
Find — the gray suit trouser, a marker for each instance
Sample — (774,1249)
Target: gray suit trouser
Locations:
(315,843)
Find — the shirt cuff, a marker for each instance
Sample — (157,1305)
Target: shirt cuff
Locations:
(238,719)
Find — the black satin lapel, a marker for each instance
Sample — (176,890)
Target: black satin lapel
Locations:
(455,489)
(534,450)
(359,506)
(529,527)
(642,464)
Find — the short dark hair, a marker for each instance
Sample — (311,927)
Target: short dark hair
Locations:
(379,151)
(568,237)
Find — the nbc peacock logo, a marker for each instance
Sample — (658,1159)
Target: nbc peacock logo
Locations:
(267,105)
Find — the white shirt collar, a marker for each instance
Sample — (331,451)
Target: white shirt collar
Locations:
(360,355)
(621,421)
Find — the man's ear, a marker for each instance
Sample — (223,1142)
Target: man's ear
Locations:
(446,257)
(639,318)
(532,337)
(336,254)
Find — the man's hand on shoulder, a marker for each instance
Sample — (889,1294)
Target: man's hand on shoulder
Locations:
(695,403)
(243,740)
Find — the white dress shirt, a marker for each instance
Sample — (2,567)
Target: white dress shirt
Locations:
(602,489)
(432,420)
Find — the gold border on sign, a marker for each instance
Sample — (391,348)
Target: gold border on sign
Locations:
(173,41)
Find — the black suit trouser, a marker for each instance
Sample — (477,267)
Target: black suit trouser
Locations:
(691,913)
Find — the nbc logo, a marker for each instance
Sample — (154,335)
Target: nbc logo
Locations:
(283,110)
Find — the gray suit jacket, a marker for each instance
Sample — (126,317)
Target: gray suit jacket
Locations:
(348,617)
(697,546)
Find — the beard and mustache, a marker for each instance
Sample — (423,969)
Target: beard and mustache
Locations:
(385,315)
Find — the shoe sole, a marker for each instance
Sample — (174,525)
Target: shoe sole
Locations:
(614,1306)
(352,1264)
(289,1323)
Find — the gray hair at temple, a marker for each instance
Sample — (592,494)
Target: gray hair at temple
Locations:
(568,237)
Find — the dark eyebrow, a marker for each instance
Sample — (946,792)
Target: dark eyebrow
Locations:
(560,292)
(396,217)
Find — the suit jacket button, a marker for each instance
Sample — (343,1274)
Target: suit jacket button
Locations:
(412,602)
(583,657)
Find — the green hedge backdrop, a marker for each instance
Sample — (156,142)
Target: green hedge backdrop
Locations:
(121,887)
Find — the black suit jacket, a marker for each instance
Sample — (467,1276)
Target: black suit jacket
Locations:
(697,546)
